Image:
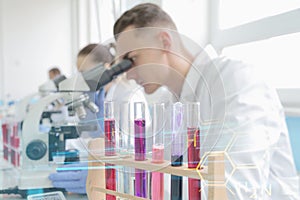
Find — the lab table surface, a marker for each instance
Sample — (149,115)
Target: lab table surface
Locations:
(68,197)
(6,171)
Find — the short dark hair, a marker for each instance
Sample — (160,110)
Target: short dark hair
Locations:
(54,70)
(99,53)
(144,15)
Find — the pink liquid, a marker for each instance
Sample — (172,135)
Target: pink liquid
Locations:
(140,154)
(193,147)
(110,138)
(157,178)
(110,177)
(5,133)
(158,153)
(157,186)
(110,149)
(139,139)
(193,160)
(194,189)
(140,183)
(15,129)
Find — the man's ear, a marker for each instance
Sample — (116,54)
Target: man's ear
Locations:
(166,40)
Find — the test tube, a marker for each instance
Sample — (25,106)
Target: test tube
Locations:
(140,148)
(139,131)
(110,145)
(124,127)
(158,133)
(13,148)
(5,135)
(124,144)
(158,150)
(193,132)
(177,149)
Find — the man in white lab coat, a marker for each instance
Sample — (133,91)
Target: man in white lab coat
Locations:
(247,117)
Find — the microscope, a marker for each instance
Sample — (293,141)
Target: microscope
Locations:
(45,89)
(11,131)
(40,149)
(12,123)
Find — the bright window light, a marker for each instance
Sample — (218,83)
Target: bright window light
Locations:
(276,59)
(237,12)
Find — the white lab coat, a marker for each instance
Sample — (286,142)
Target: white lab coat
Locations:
(248,124)
(124,90)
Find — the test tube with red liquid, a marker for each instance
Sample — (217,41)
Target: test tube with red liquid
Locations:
(158,123)
(5,136)
(193,133)
(140,148)
(110,146)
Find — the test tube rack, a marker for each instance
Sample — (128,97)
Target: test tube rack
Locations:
(213,173)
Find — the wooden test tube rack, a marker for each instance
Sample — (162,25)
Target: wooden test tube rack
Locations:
(214,173)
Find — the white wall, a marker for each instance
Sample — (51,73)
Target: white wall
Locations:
(190,17)
(1,55)
(95,22)
(35,35)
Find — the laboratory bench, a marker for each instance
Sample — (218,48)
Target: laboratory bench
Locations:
(68,197)
(7,180)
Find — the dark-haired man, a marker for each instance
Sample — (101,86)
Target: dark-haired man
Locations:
(91,55)
(53,72)
(249,123)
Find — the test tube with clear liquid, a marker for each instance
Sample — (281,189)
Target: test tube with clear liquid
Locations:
(125,174)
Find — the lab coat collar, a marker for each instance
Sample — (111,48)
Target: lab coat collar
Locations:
(188,92)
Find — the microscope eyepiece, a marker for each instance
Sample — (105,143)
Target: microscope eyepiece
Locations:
(99,76)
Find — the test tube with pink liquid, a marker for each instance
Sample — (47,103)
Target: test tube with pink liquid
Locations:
(140,148)
(158,123)
(110,146)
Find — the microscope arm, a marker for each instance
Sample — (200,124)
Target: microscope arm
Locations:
(22,106)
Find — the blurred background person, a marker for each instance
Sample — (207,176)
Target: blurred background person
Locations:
(53,72)
(74,179)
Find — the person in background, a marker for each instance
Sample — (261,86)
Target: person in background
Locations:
(89,57)
(74,180)
(53,72)
(249,122)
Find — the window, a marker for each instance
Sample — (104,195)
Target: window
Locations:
(276,59)
(236,12)
(270,42)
